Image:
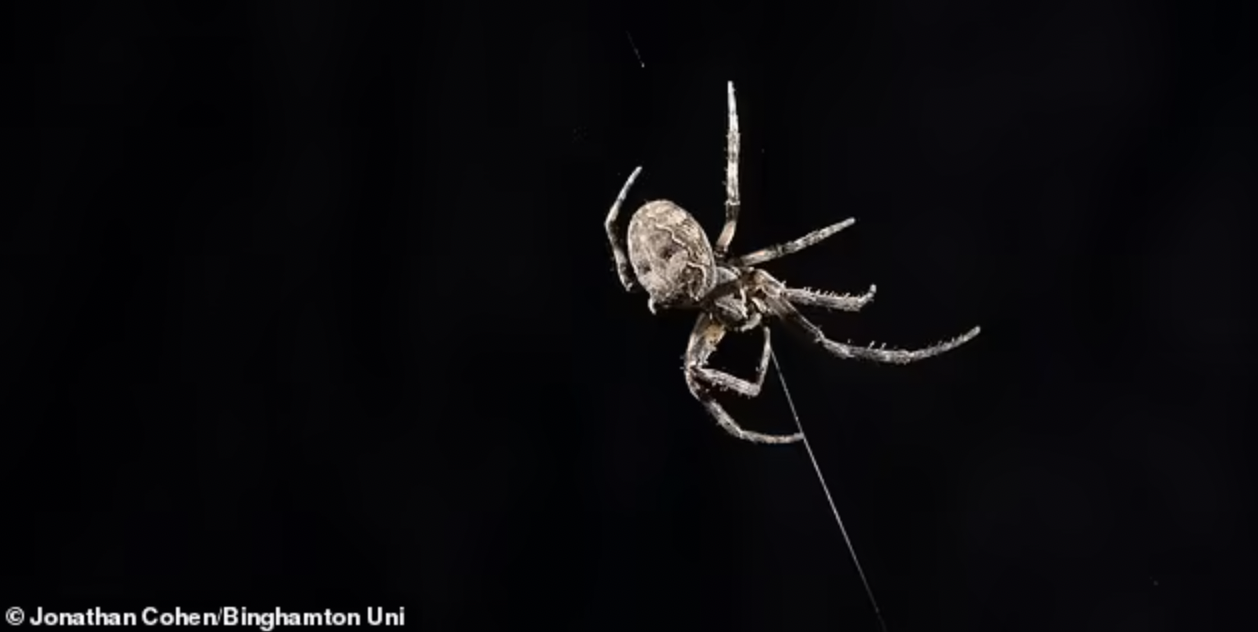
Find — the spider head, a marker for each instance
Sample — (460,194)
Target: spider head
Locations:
(670,255)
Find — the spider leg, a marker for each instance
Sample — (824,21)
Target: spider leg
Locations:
(888,356)
(616,240)
(697,361)
(790,247)
(818,298)
(733,204)
(703,340)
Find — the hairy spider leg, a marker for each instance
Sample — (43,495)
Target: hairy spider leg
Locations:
(828,300)
(781,250)
(787,312)
(733,144)
(704,338)
(615,238)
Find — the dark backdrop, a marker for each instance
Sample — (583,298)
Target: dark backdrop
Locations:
(311,304)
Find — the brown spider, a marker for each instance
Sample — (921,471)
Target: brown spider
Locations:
(679,269)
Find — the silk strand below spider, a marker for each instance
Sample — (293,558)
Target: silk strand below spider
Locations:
(673,261)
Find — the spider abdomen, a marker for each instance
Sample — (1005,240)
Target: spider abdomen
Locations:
(670,254)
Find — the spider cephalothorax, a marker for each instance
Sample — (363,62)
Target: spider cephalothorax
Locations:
(672,260)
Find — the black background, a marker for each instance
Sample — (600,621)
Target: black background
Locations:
(311,303)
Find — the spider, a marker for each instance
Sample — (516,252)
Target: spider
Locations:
(674,262)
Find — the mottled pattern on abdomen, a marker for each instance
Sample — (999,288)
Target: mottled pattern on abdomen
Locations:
(670,254)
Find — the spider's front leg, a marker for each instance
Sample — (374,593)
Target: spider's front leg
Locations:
(703,340)
(616,239)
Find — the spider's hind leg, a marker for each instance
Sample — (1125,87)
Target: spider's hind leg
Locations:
(703,343)
(617,240)
(703,340)
(728,423)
